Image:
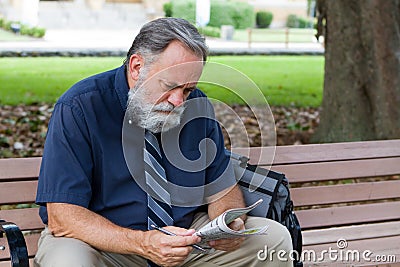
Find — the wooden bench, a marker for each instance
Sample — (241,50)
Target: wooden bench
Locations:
(334,188)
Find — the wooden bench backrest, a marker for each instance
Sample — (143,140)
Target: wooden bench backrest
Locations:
(18,182)
(319,203)
(328,176)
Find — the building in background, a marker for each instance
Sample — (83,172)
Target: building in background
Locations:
(119,14)
(81,14)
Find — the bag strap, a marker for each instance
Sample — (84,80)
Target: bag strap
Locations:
(242,159)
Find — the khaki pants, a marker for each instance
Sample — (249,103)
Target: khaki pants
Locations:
(68,252)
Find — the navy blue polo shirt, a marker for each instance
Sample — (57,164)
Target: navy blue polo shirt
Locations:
(83,161)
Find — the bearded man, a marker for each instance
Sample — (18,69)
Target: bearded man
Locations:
(107,173)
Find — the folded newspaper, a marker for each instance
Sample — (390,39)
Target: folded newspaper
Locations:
(218,228)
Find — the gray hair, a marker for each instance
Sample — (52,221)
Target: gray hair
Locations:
(156,35)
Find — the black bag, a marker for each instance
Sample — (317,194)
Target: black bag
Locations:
(273,188)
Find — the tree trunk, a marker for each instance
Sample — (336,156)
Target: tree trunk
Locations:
(361,99)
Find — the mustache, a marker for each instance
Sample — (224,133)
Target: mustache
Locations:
(168,107)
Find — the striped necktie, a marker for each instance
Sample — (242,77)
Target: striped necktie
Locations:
(158,198)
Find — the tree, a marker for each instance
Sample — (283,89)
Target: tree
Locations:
(361,99)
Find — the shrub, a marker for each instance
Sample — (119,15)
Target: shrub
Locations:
(38,32)
(238,14)
(220,14)
(305,23)
(24,29)
(210,31)
(7,25)
(243,16)
(167,7)
(185,9)
(263,19)
(294,21)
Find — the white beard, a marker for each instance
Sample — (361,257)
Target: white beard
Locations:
(148,116)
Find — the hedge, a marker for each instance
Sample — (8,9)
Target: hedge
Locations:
(167,7)
(263,19)
(23,28)
(238,14)
(185,9)
(210,31)
(222,12)
(293,21)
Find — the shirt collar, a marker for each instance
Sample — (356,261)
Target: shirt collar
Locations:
(121,86)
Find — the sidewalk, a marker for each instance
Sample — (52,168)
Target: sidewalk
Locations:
(81,42)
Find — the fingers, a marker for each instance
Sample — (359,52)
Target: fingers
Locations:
(167,250)
(237,224)
(227,244)
(180,231)
(188,233)
(181,241)
(231,243)
(170,256)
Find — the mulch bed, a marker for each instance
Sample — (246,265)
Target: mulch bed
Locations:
(23,128)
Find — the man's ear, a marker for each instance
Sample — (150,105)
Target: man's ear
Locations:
(135,64)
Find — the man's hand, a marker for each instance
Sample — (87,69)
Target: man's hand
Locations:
(230,244)
(166,250)
(232,199)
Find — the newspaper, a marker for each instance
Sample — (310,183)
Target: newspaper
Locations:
(218,228)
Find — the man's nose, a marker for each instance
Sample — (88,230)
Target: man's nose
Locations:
(176,97)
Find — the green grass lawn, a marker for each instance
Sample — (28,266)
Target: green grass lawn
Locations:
(284,80)
(44,79)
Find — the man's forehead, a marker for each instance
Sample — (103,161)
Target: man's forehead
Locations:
(182,73)
(177,58)
(174,83)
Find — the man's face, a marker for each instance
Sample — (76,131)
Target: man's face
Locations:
(156,101)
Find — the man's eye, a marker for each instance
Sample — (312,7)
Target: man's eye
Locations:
(171,86)
(189,90)
(168,86)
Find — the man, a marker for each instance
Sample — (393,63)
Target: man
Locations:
(93,189)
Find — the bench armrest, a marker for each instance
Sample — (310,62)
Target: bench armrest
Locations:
(16,244)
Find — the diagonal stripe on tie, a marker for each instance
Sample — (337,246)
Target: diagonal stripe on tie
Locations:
(154,164)
(157,189)
(160,212)
(152,140)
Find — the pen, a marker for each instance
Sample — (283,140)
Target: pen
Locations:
(172,234)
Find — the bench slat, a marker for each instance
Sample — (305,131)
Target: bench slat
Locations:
(379,246)
(8,264)
(323,152)
(31,243)
(350,233)
(26,219)
(335,216)
(298,173)
(18,192)
(316,195)
(19,168)
(396,264)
